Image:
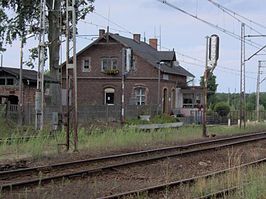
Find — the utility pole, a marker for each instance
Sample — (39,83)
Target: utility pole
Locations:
(242,111)
(258,91)
(205,91)
(21,84)
(39,96)
(259,66)
(71,46)
(159,109)
(124,53)
(1,60)
(67,82)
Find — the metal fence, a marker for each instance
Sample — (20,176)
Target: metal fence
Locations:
(109,113)
(85,113)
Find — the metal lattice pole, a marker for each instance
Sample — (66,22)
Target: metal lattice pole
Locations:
(258,90)
(242,77)
(39,97)
(71,47)
(258,94)
(205,89)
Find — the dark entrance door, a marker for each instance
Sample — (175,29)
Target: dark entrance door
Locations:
(109,98)
(13,99)
(165,104)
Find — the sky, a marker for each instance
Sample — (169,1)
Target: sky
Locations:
(178,31)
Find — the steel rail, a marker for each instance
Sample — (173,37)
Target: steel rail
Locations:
(131,154)
(225,192)
(220,194)
(188,181)
(38,180)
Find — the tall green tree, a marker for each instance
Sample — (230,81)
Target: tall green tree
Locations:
(212,87)
(19,18)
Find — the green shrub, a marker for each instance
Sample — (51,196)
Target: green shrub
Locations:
(163,119)
(158,119)
(222,109)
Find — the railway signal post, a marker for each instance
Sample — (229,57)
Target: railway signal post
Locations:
(212,55)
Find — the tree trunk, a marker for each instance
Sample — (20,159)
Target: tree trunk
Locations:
(54,48)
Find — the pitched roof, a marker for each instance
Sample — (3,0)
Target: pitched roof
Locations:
(26,74)
(152,55)
(147,52)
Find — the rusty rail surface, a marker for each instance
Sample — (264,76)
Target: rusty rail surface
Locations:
(8,179)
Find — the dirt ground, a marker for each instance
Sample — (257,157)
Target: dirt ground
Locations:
(136,177)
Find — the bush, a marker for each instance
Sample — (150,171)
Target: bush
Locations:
(222,109)
(157,119)
(163,119)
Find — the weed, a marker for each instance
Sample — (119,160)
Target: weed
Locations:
(97,140)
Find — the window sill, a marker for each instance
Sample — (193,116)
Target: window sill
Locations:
(111,72)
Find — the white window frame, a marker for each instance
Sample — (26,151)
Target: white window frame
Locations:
(110,63)
(140,93)
(165,77)
(84,69)
(108,90)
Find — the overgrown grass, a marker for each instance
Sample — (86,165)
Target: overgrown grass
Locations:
(251,184)
(97,140)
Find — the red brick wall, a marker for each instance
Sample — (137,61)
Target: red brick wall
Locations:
(28,93)
(91,84)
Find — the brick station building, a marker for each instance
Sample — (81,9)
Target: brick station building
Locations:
(9,85)
(152,78)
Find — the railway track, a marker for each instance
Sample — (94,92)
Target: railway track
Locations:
(44,174)
(220,194)
(224,192)
(188,181)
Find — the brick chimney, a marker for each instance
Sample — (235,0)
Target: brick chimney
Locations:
(136,38)
(101,32)
(153,43)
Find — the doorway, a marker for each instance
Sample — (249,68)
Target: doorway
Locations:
(165,101)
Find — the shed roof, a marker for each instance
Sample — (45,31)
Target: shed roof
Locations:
(26,74)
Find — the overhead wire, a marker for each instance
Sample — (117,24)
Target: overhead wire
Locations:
(102,26)
(241,16)
(220,68)
(249,42)
(125,30)
(225,10)
(203,63)
(118,25)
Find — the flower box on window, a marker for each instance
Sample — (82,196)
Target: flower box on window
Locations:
(112,71)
